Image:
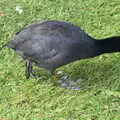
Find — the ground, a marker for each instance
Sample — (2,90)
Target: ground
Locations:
(38,99)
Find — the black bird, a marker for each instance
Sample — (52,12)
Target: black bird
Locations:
(51,44)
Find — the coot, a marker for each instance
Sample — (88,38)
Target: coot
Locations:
(51,44)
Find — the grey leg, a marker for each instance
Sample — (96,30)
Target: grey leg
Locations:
(66,83)
(28,69)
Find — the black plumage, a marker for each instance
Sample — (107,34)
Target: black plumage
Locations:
(51,44)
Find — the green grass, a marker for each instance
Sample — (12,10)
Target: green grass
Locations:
(99,97)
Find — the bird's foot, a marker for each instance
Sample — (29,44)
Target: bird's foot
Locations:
(66,83)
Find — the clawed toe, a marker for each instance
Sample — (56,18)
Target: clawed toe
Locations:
(66,83)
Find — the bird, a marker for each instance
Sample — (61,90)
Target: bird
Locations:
(53,43)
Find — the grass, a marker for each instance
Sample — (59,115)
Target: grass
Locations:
(99,97)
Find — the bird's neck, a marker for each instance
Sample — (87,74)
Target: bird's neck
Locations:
(108,45)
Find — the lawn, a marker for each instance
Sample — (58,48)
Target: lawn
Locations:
(38,99)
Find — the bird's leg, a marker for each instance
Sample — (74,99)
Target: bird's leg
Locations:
(28,69)
(66,83)
(54,77)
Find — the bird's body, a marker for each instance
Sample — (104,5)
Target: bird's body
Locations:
(51,44)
